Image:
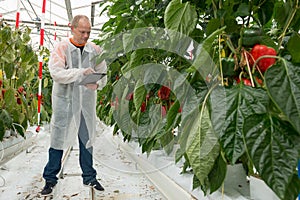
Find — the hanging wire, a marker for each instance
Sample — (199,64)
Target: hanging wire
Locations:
(26,10)
(37,17)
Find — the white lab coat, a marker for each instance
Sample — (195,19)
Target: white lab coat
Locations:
(69,100)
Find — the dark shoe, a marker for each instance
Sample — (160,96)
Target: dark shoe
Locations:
(94,184)
(48,189)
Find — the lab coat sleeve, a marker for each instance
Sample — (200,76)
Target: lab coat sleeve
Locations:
(58,67)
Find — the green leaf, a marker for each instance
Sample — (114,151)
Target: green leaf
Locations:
(10,100)
(181,17)
(139,94)
(202,146)
(166,139)
(154,73)
(217,174)
(119,7)
(293,188)
(231,24)
(203,61)
(20,129)
(6,119)
(196,182)
(294,48)
(2,129)
(122,114)
(26,35)
(266,40)
(282,11)
(272,151)
(212,26)
(9,69)
(9,55)
(243,10)
(265,11)
(283,84)
(26,53)
(229,108)
(150,125)
(296,21)
(6,34)
(172,114)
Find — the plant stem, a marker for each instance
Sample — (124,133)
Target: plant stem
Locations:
(220,61)
(249,70)
(214,8)
(288,23)
(266,56)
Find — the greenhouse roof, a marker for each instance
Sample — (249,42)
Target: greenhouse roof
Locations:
(58,14)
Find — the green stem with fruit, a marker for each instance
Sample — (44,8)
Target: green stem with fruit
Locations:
(249,70)
(262,57)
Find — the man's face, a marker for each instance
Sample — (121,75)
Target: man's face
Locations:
(82,32)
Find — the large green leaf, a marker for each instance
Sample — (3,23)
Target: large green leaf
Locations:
(283,84)
(274,154)
(294,48)
(229,108)
(181,17)
(202,146)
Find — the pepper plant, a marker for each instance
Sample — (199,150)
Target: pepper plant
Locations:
(233,71)
(18,82)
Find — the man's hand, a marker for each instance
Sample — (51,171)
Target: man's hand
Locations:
(92,86)
(88,71)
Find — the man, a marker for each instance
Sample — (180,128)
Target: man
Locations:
(73,105)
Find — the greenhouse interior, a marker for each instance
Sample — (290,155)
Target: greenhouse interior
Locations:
(171,99)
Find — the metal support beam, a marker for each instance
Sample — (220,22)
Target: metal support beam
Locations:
(93,11)
(69,10)
(38,23)
(92,14)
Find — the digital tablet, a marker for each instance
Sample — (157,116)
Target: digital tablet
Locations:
(91,78)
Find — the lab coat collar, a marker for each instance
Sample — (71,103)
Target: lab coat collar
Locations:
(88,47)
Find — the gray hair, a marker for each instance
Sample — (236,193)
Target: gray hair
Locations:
(76,19)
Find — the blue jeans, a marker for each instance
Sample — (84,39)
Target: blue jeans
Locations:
(53,166)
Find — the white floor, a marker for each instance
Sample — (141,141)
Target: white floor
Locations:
(122,169)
